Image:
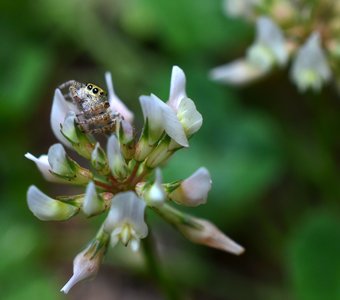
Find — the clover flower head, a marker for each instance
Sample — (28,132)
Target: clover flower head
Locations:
(123,178)
(281,31)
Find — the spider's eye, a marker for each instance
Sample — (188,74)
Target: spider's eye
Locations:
(102,93)
(89,87)
(95,91)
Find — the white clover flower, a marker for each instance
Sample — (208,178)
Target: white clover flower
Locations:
(310,68)
(123,179)
(162,118)
(194,190)
(48,209)
(238,72)
(125,221)
(269,48)
(184,107)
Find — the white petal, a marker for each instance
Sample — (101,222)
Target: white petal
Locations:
(69,128)
(164,117)
(116,160)
(127,208)
(46,208)
(194,190)
(152,111)
(155,194)
(60,107)
(238,72)
(92,203)
(177,87)
(189,117)
(135,244)
(310,67)
(58,160)
(44,167)
(115,103)
(172,125)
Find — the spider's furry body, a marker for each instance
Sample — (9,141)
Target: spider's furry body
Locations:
(95,115)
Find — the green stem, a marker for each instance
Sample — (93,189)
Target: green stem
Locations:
(156,271)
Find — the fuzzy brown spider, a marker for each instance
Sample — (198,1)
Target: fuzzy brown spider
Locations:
(95,115)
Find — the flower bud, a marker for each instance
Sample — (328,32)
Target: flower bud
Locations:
(117,162)
(154,194)
(205,233)
(93,204)
(48,209)
(199,231)
(99,160)
(159,154)
(86,264)
(192,191)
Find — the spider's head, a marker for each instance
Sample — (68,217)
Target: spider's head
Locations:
(95,90)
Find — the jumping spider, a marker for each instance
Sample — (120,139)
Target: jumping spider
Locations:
(95,115)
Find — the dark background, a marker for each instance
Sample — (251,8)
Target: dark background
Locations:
(273,154)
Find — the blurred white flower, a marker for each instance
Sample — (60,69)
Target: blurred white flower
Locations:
(48,209)
(125,221)
(238,72)
(269,47)
(310,68)
(240,8)
(194,190)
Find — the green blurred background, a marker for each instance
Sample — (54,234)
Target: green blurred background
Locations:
(273,154)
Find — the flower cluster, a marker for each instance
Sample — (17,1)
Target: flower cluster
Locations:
(304,32)
(124,179)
